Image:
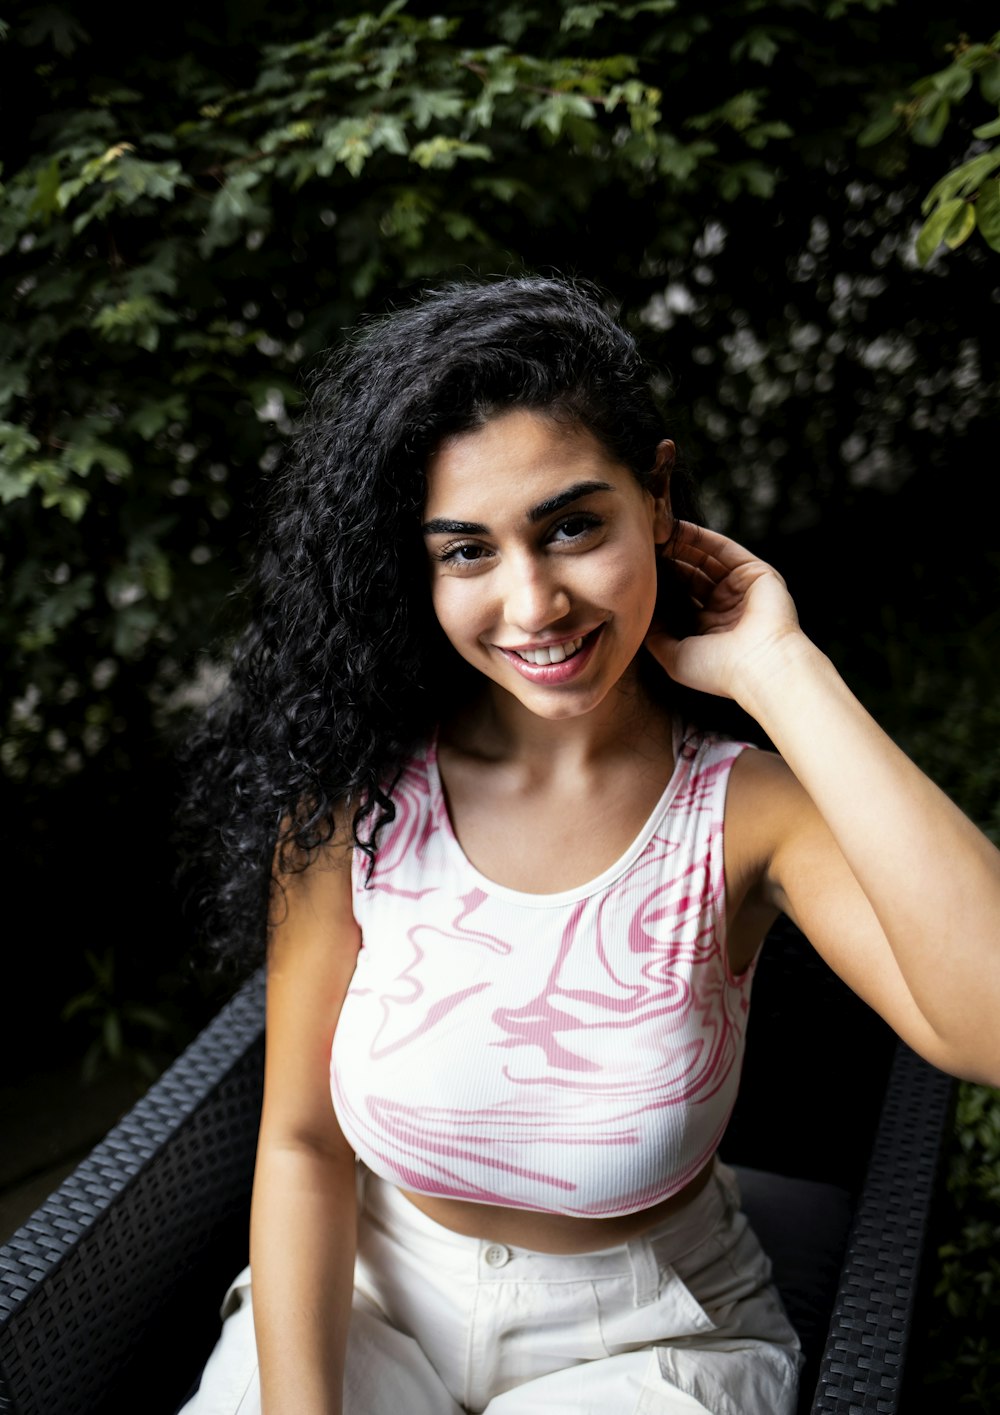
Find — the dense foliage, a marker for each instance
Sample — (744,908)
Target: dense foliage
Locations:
(181,234)
(188,221)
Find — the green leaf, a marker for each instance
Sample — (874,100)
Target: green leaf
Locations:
(112,1035)
(436,104)
(553,111)
(954,82)
(54,288)
(16,442)
(931,121)
(934,228)
(72,501)
(46,199)
(151,418)
(885,122)
(762,133)
(14,485)
(988,212)
(961,226)
(757,44)
(346,142)
(680,160)
(146,1017)
(158,575)
(988,130)
(648,7)
(582,17)
(232,210)
(738,112)
(81,456)
(133,627)
(989,82)
(388,132)
(442,153)
(134,321)
(83,1002)
(56,612)
(763,47)
(52,23)
(134,178)
(288,133)
(962,181)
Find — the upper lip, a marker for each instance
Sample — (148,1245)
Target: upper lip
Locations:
(547,643)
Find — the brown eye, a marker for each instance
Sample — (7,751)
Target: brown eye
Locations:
(461,553)
(575,527)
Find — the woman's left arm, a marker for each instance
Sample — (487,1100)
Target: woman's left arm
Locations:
(885,875)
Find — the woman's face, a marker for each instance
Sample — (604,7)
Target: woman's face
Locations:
(542,553)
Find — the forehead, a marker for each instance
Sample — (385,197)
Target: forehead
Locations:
(516,459)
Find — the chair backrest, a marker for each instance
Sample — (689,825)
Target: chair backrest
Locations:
(98,1285)
(817,1065)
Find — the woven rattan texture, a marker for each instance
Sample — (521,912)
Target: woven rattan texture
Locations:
(862,1366)
(91,1267)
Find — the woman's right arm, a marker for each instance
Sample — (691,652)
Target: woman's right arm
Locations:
(303,1217)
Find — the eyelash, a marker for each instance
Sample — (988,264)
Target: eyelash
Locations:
(450,554)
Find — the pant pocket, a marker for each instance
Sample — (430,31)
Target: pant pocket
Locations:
(236,1295)
(229,1382)
(734,1377)
(673,1313)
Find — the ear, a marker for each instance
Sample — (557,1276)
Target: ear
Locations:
(660,489)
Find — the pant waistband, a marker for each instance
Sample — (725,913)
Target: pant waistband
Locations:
(642,1257)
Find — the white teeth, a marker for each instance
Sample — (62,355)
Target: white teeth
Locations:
(556,654)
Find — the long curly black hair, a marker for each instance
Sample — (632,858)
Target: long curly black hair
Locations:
(342,668)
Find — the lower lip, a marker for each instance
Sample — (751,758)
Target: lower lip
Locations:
(554,673)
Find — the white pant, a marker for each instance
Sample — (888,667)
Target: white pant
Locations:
(681,1320)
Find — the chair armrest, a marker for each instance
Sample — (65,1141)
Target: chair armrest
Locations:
(92,1271)
(863,1360)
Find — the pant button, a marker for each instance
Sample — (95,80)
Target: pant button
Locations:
(497,1255)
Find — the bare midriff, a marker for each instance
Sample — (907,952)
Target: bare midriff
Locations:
(552,1233)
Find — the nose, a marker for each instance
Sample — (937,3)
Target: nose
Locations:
(534,596)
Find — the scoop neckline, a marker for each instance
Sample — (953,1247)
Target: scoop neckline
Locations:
(581,891)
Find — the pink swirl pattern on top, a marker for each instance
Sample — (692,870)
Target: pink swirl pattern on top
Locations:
(575,1053)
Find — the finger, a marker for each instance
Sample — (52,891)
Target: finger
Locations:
(663,646)
(696,582)
(695,569)
(706,593)
(701,545)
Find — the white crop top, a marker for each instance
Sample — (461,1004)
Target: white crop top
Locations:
(576,1053)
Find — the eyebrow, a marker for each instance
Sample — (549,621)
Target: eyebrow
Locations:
(440,526)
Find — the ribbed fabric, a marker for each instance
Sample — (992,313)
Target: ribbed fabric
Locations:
(576,1053)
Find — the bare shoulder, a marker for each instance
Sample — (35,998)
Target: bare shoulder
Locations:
(765,805)
(779,844)
(785,859)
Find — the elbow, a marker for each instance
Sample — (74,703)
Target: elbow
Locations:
(977,1063)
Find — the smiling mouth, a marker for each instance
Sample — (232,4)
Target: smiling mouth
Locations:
(553,653)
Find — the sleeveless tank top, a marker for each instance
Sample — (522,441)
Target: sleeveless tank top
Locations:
(575,1053)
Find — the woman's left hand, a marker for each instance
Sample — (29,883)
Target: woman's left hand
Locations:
(745,615)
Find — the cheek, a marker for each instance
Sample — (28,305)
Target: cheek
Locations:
(441,605)
(629,583)
(456,609)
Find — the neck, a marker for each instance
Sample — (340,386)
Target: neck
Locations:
(496,725)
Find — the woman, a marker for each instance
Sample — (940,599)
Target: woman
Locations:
(467,726)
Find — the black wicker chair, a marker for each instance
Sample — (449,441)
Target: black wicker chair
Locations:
(109,1292)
